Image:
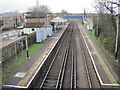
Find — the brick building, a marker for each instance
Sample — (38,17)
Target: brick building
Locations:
(37,19)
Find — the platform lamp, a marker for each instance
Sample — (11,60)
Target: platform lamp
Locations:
(26,42)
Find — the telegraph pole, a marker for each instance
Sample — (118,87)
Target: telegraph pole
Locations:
(27,53)
(37,14)
(26,42)
(117,22)
(117,33)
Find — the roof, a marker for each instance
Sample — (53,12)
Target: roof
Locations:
(35,15)
(11,14)
(58,19)
(34,25)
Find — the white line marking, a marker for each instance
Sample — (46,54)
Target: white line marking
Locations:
(44,60)
(14,86)
(39,67)
(94,63)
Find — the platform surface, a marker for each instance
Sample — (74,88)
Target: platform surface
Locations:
(25,73)
(105,72)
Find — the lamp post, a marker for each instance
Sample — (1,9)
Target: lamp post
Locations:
(26,42)
(27,53)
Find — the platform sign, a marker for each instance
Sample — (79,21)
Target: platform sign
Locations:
(74,17)
(18,42)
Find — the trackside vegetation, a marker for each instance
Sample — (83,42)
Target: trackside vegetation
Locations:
(17,62)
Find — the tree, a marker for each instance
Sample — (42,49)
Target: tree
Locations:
(1,23)
(106,20)
(41,8)
(64,12)
(45,9)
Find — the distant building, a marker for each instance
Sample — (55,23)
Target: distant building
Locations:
(89,23)
(39,22)
(58,23)
(36,19)
(12,17)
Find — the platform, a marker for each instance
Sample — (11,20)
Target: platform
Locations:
(104,73)
(24,76)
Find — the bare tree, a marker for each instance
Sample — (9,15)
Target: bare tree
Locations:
(45,9)
(64,12)
(40,8)
(106,22)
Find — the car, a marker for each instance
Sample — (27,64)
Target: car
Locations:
(20,27)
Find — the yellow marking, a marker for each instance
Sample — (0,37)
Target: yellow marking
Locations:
(37,63)
(34,66)
(106,69)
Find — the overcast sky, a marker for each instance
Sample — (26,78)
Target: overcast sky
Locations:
(72,6)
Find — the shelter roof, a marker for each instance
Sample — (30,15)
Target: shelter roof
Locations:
(35,15)
(58,19)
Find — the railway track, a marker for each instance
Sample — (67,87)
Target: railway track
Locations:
(90,79)
(63,70)
(55,72)
(69,73)
(84,59)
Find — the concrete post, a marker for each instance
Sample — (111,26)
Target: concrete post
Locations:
(27,54)
(117,32)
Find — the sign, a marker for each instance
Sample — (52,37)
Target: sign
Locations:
(74,17)
(18,42)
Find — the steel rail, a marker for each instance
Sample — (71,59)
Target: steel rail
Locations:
(85,63)
(52,62)
(75,66)
(62,73)
(15,86)
(94,65)
(74,57)
(72,69)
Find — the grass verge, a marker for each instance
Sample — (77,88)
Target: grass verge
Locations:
(16,63)
(108,56)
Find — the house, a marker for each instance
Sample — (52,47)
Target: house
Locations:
(36,19)
(39,22)
(89,23)
(12,17)
(58,23)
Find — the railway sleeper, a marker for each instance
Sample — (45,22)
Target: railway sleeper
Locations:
(50,85)
(56,69)
(53,74)
(51,81)
(52,78)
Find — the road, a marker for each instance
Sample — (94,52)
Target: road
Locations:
(11,34)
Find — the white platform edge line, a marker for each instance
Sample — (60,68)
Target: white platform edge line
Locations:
(39,67)
(94,63)
(14,86)
(45,58)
